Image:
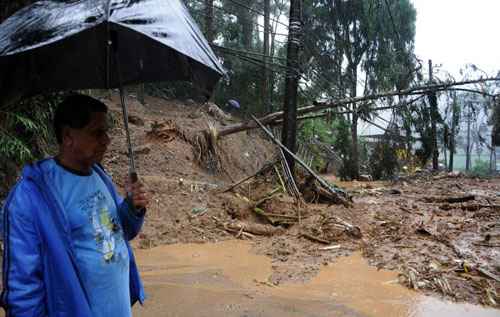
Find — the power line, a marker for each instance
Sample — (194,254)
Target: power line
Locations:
(246,7)
(256,11)
(202,13)
(245,52)
(241,55)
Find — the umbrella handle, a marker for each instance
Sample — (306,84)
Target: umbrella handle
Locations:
(133,177)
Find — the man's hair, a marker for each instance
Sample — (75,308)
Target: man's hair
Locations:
(75,111)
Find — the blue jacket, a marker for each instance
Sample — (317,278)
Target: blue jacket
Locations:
(40,275)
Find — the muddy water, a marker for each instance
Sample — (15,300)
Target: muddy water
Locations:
(227,279)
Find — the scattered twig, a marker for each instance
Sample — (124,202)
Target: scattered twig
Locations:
(268,196)
(280,179)
(488,274)
(314,239)
(409,211)
(486,244)
(287,174)
(262,170)
(282,216)
(473,207)
(331,247)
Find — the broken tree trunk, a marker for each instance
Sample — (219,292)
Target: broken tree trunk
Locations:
(274,117)
(339,194)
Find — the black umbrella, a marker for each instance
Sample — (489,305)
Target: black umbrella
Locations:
(52,46)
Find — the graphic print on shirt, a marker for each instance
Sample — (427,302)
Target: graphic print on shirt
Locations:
(107,231)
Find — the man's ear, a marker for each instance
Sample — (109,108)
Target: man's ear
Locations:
(67,136)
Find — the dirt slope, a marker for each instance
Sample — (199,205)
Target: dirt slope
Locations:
(182,187)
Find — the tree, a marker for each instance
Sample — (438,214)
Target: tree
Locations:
(359,38)
(209,20)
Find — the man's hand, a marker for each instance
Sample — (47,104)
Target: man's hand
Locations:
(137,193)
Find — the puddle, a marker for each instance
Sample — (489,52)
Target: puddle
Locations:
(226,279)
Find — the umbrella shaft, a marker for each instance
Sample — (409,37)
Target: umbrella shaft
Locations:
(127,132)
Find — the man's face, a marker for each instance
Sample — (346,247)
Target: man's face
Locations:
(89,144)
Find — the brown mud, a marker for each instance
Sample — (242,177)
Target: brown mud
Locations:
(228,279)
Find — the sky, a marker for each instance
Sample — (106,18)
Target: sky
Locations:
(456,32)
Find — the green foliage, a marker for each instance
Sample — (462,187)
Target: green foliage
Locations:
(25,131)
(383,161)
(342,146)
(481,168)
(333,133)
(316,128)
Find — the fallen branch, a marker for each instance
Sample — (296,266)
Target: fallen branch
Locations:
(269,196)
(453,200)
(240,233)
(314,239)
(488,274)
(448,175)
(281,216)
(255,228)
(318,106)
(450,200)
(487,244)
(473,207)
(262,170)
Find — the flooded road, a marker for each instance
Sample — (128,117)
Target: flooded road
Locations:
(227,279)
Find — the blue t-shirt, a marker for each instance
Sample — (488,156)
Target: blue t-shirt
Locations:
(98,239)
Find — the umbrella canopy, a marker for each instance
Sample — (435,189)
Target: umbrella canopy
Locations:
(52,46)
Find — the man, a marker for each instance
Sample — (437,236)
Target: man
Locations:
(66,229)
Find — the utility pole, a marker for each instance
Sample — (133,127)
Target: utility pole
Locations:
(289,133)
(434,114)
(265,83)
